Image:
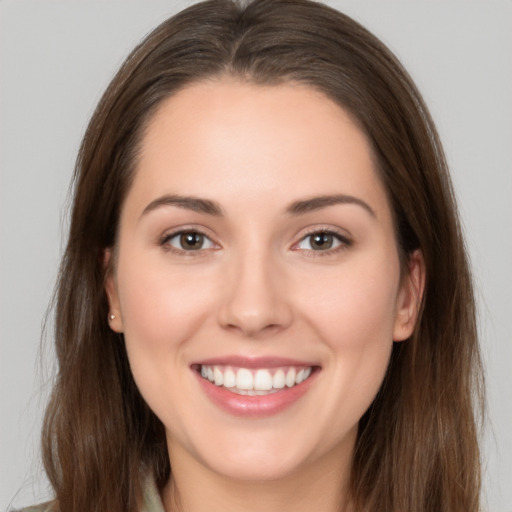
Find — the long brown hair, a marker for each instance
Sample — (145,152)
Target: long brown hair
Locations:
(417,444)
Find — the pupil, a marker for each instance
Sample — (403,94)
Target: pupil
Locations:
(321,241)
(191,241)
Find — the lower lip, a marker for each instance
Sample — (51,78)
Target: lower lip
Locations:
(255,406)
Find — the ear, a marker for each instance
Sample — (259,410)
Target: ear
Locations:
(115,319)
(409,297)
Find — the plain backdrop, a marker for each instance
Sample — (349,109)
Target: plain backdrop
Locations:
(56,57)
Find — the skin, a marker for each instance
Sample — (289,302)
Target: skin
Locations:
(258,288)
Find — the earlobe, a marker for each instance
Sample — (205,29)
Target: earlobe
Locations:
(410,297)
(115,319)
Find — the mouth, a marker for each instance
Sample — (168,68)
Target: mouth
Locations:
(255,388)
(254,381)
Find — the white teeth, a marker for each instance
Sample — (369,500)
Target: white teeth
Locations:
(244,379)
(218,376)
(290,377)
(263,380)
(254,382)
(278,381)
(229,378)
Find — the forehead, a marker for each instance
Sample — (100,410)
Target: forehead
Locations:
(216,137)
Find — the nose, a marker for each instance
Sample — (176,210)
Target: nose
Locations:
(256,297)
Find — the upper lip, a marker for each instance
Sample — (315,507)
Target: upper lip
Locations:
(253,362)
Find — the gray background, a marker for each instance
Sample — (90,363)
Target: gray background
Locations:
(56,57)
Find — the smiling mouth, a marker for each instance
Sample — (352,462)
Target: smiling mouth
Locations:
(257,381)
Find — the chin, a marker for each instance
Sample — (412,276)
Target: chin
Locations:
(261,467)
(270,454)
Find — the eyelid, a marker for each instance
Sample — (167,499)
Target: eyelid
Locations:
(345,240)
(342,236)
(172,233)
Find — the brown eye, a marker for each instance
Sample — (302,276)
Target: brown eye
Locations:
(191,241)
(188,241)
(321,241)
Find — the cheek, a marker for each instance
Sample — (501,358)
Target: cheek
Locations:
(354,317)
(162,311)
(355,306)
(159,306)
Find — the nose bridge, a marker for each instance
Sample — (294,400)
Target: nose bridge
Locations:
(255,298)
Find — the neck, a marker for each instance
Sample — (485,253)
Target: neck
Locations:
(321,485)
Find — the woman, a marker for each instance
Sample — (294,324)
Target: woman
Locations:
(265,300)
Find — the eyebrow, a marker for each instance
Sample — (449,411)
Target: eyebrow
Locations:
(210,207)
(195,204)
(319,202)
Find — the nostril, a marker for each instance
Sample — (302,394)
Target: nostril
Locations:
(254,329)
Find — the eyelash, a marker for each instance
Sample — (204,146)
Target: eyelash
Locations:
(344,242)
(164,242)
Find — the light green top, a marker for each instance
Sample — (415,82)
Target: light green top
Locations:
(152,501)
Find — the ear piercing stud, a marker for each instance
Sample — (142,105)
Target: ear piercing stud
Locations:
(112,316)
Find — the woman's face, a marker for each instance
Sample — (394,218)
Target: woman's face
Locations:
(257,279)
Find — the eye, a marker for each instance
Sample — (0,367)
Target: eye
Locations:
(323,241)
(188,241)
